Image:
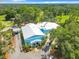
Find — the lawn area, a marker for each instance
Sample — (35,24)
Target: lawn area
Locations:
(2,17)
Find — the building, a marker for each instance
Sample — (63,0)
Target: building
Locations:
(47,26)
(32,34)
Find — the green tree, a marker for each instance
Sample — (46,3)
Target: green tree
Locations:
(5,36)
(11,14)
(67,39)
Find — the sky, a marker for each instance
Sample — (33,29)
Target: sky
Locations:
(39,1)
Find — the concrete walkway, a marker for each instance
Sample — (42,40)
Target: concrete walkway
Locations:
(31,55)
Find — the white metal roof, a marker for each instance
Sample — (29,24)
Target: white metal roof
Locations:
(31,30)
(38,40)
(47,25)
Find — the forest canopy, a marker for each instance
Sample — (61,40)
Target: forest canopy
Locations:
(67,16)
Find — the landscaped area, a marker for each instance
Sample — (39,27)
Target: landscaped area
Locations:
(52,29)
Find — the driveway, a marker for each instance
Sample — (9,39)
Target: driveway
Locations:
(31,55)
